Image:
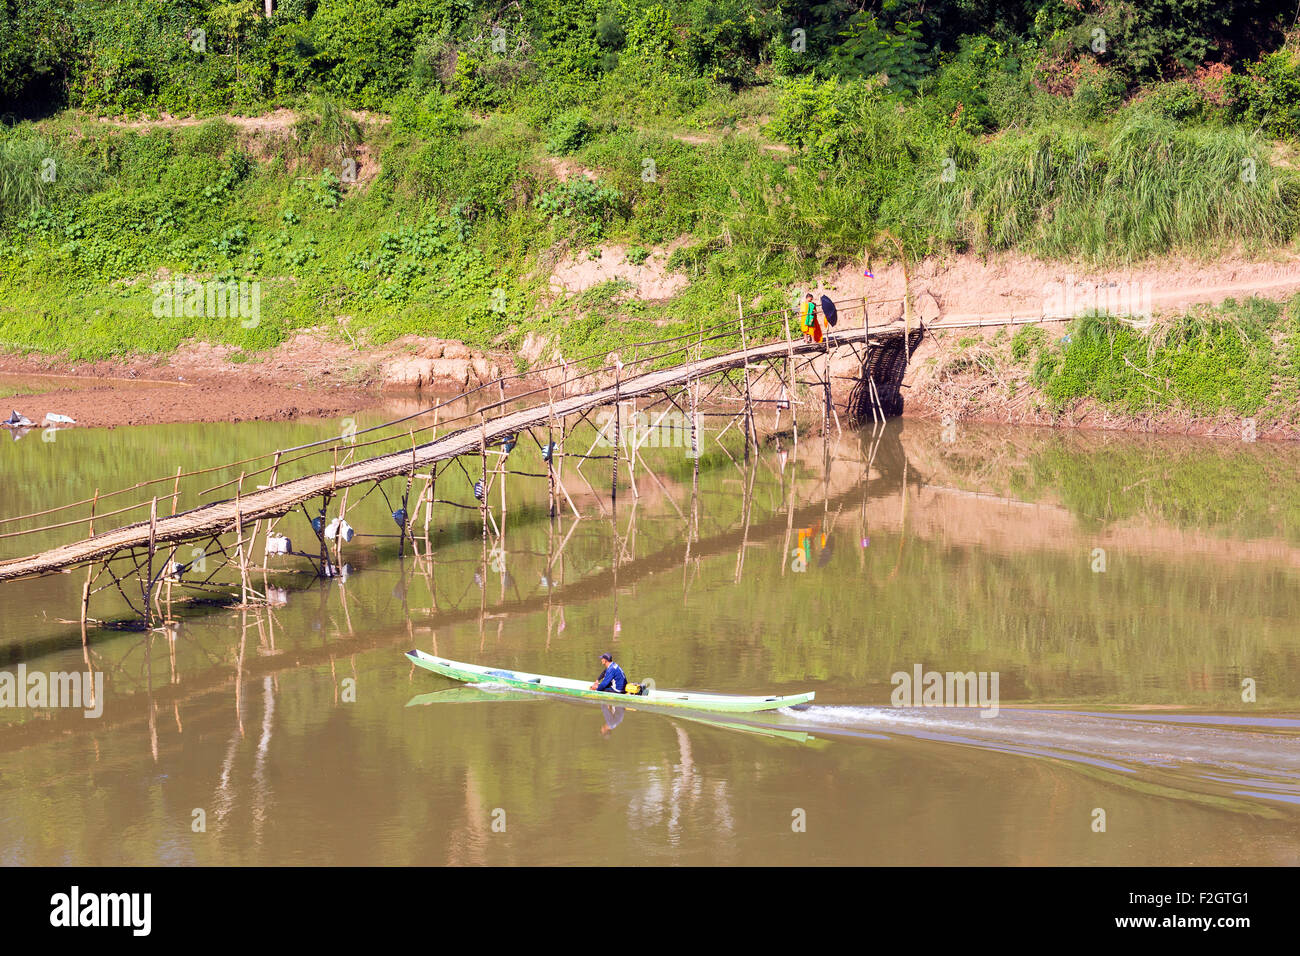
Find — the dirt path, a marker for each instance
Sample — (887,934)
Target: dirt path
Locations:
(277,121)
(970,288)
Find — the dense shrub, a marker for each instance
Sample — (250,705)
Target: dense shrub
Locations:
(1269,94)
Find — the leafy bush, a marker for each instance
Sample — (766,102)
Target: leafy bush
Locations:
(589,206)
(365,46)
(1268,95)
(809,116)
(1098,90)
(1028,338)
(433,115)
(212,138)
(958,91)
(568,133)
(899,55)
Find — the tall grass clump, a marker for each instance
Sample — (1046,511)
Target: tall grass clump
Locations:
(1173,186)
(33,172)
(326,133)
(1143,188)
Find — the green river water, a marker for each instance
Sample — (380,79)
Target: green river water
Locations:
(1125,590)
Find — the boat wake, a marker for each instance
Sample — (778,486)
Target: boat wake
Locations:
(1246,756)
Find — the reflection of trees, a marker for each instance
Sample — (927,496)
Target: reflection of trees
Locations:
(675,794)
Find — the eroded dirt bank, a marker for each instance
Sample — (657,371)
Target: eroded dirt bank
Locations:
(306,377)
(957,374)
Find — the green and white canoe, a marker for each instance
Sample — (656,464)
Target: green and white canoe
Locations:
(567,687)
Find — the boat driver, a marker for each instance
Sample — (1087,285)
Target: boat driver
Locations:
(612,678)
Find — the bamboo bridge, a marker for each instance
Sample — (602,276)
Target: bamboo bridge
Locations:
(682,374)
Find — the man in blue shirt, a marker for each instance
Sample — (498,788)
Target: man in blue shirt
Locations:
(612,678)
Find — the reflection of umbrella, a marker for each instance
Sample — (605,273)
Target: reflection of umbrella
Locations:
(825,556)
(828,310)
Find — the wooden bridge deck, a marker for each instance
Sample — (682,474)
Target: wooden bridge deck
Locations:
(231,514)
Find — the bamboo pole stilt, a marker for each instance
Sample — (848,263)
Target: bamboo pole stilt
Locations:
(85,608)
(270,526)
(90,569)
(239,527)
(482,451)
(749,404)
(789,374)
(401,547)
(631,457)
(550,454)
(618,415)
(148,581)
(325,568)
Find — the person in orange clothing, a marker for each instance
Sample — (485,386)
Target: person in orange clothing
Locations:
(811,327)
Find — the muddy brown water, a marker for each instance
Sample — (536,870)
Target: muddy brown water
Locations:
(1136,599)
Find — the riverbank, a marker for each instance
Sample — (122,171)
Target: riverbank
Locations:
(308,376)
(1230,371)
(110,404)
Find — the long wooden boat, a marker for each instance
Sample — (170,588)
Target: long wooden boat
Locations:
(568,687)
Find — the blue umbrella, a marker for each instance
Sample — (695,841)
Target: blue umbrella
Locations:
(828,310)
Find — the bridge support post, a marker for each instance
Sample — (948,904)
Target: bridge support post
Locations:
(695,444)
(630,456)
(320,534)
(85,607)
(826,391)
(618,435)
(406,517)
(482,452)
(148,580)
(243,558)
(749,404)
(90,572)
(789,376)
(550,453)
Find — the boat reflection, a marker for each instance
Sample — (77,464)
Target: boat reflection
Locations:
(761,725)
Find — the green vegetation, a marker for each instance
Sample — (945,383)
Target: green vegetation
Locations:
(778,140)
(1240,358)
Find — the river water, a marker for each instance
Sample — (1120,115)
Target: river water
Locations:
(1135,599)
